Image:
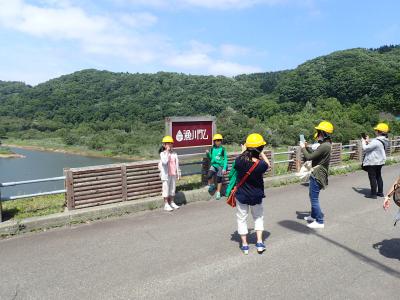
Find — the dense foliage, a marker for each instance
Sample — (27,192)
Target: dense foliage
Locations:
(124,112)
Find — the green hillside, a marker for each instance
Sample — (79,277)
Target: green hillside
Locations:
(124,113)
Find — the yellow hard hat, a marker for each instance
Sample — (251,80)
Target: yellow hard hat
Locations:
(255,140)
(167,139)
(382,127)
(217,137)
(325,126)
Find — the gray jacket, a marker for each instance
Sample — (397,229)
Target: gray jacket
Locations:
(375,151)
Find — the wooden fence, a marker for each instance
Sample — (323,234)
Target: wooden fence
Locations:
(99,185)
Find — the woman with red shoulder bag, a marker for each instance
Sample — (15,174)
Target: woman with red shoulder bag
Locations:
(249,193)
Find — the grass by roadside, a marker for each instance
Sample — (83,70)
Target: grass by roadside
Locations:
(33,207)
(46,205)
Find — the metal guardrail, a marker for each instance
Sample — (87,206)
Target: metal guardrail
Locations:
(16,183)
(283,161)
(348,146)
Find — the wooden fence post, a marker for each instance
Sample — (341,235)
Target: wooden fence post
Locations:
(69,189)
(124,183)
(358,155)
(270,155)
(298,158)
(336,154)
(395,142)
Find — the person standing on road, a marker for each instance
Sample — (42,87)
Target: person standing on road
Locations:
(219,164)
(169,172)
(375,158)
(320,159)
(250,195)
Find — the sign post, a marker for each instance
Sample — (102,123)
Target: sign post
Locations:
(192,135)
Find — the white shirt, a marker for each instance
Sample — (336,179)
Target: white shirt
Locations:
(163,164)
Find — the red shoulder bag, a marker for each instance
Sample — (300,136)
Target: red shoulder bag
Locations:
(232,197)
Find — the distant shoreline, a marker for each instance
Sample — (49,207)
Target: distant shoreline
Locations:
(12,155)
(69,151)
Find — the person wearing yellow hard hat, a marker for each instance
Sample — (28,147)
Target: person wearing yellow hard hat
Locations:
(218,165)
(320,158)
(169,172)
(375,158)
(250,195)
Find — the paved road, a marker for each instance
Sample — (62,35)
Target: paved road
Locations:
(194,254)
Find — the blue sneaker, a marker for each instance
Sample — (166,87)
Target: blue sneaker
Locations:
(260,247)
(245,249)
(218,196)
(211,188)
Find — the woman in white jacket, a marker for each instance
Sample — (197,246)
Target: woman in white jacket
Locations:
(375,158)
(169,172)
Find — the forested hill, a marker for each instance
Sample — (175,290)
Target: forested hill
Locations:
(352,88)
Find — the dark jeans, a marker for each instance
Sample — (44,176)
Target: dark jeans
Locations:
(375,179)
(316,212)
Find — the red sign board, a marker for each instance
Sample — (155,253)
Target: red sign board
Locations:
(192,133)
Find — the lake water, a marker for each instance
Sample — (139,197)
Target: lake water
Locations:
(42,164)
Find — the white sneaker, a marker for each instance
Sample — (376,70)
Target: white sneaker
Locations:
(168,207)
(174,206)
(315,225)
(309,219)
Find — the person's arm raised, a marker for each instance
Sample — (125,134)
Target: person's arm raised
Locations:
(265,158)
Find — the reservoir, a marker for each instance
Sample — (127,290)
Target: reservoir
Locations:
(42,164)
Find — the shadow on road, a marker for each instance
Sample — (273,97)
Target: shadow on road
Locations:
(300,228)
(362,191)
(389,248)
(251,237)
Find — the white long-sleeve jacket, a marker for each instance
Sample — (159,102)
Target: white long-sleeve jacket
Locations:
(163,164)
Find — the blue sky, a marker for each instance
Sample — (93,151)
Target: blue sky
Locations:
(43,39)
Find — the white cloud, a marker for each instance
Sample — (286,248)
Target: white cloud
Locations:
(126,38)
(138,20)
(228,4)
(228,68)
(96,34)
(209,4)
(200,59)
(229,50)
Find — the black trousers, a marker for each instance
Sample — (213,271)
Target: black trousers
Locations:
(375,179)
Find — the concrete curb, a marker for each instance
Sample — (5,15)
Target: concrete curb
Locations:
(122,208)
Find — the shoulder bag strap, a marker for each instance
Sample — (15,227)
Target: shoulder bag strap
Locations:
(384,146)
(243,180)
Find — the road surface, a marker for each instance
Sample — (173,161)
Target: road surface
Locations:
(194,253)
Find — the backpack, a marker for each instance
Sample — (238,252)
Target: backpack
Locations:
(222,152)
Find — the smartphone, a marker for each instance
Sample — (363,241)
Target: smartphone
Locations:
(364,136)
(302,139)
